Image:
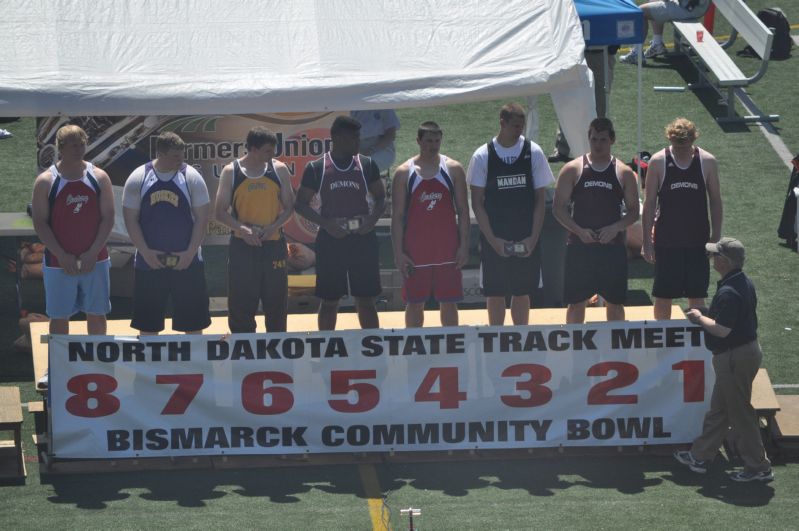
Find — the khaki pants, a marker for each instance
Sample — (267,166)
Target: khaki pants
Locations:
(731,408)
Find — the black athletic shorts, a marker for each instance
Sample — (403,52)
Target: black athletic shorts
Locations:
(681,272)
(257,275)
(501,276)
(594,269)
(186,288)
(353,258)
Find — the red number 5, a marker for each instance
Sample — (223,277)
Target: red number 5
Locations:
(367,394)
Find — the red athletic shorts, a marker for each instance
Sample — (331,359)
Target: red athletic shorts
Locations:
(443,282)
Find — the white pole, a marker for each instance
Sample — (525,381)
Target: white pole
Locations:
(640,104)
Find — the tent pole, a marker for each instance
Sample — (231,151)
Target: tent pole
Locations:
(606,70)
(640,105)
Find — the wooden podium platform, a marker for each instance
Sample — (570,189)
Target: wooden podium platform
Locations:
(346,321)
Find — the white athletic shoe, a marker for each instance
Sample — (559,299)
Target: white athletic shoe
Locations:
(5,133)
(44,381)
(654,50)
(630,58)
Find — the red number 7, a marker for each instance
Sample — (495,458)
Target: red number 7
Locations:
(187,387)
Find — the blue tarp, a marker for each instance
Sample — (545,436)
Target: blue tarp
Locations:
(608,22)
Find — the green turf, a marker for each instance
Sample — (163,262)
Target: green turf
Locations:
(598,493)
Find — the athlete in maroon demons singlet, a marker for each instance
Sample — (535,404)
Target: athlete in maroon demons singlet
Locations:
(347,259)
(597,200)
(682,189)
(588,201)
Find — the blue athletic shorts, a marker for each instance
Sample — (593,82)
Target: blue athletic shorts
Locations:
(65,295)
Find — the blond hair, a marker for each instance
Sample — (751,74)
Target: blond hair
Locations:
(69,132)
(682,131)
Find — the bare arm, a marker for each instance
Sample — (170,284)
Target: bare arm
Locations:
(712,327)
(286,201)
(560,204)
(714,195)
(41,224)
(302,205)
(89,258)
(654,178)
(378,191)
(478,206)
(630,187)
(538,220)
(398,204)
(458,176)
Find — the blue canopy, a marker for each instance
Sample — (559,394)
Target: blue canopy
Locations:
(607,22)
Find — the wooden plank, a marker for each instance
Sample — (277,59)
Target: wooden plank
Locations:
(711,54)
(36,407)
(108,466)
(10,407)
(786,419)
(16,224)
(764,400)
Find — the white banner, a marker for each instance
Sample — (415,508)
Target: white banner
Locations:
(426,389)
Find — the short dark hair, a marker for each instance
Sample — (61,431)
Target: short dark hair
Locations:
(344,124)
(511,110)
(602,124)
(259,136)
(428,127)
(168,141)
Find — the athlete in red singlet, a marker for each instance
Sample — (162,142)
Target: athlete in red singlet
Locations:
(430,228)
(73,213)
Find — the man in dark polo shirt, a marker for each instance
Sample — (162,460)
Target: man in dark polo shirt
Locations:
(731,334)
(346,245)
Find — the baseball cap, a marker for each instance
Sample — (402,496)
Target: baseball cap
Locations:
(729,248)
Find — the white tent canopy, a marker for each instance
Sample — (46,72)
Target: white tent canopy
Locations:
(83,57)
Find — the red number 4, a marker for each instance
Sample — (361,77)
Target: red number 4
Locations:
(448,395)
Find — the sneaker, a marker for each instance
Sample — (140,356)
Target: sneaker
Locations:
(744,476)
(654,50)
(44,381)
(685,457)
(630,58)
(5,133)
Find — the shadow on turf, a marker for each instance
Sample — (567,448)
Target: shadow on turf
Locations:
(538,477)
(547,477)
(193,488)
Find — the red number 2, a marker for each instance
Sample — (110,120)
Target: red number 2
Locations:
(626,374)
